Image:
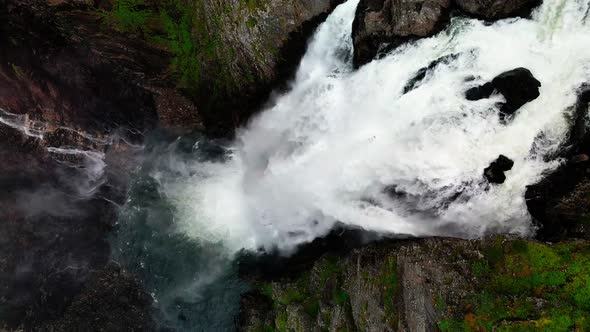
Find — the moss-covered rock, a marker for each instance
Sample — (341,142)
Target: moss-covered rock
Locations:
(498,283)
(227,54)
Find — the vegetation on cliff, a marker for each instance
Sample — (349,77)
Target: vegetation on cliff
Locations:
(226,55)
(528,286)
(500,283)
(187,31)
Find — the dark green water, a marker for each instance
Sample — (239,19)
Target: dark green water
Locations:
(195,284)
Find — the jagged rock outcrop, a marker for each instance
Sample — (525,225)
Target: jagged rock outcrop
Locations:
(497,9)
(227,55)
(380,22)
(382,25)
(560,202)
(428,285)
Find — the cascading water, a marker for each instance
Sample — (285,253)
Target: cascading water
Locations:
(326,151)
(351,147)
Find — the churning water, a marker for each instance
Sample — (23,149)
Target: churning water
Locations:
(349,146)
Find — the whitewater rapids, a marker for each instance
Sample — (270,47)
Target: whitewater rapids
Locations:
(333,147)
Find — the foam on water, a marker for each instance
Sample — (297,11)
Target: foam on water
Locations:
(327,150)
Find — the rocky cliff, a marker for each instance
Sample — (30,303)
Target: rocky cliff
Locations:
(494,284)
(80,83)
(382,25)
(499,283)
(227,55)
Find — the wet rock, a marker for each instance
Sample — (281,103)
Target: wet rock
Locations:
(480,92)
(518,86)
(382,25)
(254,47)
(559,202)
(422,72)
(495,172)
(388,23)
(67,78)
(497,9)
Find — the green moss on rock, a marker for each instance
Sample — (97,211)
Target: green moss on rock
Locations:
(529,287)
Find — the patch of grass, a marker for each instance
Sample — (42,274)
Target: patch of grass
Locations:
(190,32)
(390,283)
(251,22)
(266,289)
(328,268)
(312,307)
(186,63)
(265,328)
(340,297)
(254,4)
(281,322)
(452,325)
(129,15)
(291,295)
(480,268)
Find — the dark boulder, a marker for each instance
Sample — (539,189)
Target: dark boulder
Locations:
(497,9)
(380,23)
(518,86)
(495,172)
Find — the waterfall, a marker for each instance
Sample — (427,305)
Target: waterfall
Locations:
(349,146)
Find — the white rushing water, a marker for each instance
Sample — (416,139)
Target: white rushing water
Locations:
(327,150)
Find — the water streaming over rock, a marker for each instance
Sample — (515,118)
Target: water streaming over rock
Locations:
(349,146)
(353,147)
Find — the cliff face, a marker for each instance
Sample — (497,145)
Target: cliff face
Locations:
(498,283)
(79,81)
(227,55)
(382,25)
(252,48)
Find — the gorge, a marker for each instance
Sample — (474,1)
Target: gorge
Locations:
(353,197)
